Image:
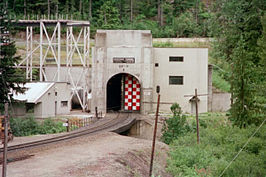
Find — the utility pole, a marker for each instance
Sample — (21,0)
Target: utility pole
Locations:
(197,116)
(196,99)
(155,130)
(5,141)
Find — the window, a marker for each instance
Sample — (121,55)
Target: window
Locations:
(55,93)
(176,58)
(29,107)
(156,64)
(176,80)
(63,103)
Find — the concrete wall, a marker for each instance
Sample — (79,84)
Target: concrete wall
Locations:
(63,94)
(210,87)
(220,102)
(194,69)
(50,103)
(113,43)
(18,109)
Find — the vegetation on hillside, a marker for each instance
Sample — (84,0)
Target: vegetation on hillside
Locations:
(177,18)
(218,146)
(220,142)
(237,28)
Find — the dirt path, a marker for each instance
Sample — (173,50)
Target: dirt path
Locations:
(101,155)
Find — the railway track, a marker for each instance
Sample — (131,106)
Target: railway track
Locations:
(114,125)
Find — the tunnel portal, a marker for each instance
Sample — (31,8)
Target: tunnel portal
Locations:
(123,93)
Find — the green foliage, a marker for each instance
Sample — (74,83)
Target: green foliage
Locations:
(237,28)
(9,79)
(219,82)
(108,16)
(49,126)
(29,126)
(217,148)
(193,15)
(163,44)
(175,126)
(185,25)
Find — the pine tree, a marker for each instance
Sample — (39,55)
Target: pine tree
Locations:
(237,30)
(9,80)
(108,16)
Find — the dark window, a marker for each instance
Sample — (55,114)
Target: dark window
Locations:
(175,58)
(156,64)
(176,80)
(63,103)
(55,93)
(29,107)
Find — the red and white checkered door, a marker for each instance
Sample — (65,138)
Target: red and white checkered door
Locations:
(132,93)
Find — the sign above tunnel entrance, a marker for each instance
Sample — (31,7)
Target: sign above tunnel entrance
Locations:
(123,60)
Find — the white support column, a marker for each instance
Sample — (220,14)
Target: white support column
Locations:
(67,47)
(59,51)
(41,52)
(31,49)
(27,51)
(71,44)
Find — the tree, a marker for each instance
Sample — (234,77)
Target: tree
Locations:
(175,126)
(237,28)
(9,80)
(108,16)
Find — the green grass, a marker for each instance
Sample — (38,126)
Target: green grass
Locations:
(219,144)
(219,82)
(169,44)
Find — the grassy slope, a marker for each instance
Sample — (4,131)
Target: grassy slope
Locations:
(220,142)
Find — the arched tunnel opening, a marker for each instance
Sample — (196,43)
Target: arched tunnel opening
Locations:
(114,93)
(123,93)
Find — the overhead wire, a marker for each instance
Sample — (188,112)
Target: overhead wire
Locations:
(242,148)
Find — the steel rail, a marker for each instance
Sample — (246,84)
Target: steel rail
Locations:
(105,126)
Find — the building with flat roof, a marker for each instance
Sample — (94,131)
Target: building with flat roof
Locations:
(126,70)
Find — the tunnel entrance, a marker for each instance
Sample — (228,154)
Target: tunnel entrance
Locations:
(123,93)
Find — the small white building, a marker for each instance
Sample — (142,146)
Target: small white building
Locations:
(43,99)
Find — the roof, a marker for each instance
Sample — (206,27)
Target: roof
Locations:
(35,90)
(52,22)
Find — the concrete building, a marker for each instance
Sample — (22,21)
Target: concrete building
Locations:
(126,70)
(43,99)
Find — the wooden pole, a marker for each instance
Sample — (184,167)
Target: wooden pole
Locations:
(197,116)
(154,135)
(5,141)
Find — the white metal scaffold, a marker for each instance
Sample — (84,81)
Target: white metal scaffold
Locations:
(53,43)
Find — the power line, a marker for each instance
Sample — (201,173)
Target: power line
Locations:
(242,149)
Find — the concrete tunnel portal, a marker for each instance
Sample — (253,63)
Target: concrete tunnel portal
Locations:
(123,93)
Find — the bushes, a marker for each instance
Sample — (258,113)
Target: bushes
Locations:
(175,126)
(217,148)
(29,126)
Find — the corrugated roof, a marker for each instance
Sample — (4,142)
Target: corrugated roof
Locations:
(34,92)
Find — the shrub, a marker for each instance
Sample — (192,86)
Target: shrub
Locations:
(217,148)
(29,126)
(24,126)
(175,126)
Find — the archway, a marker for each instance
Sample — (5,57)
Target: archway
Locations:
(123,93)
